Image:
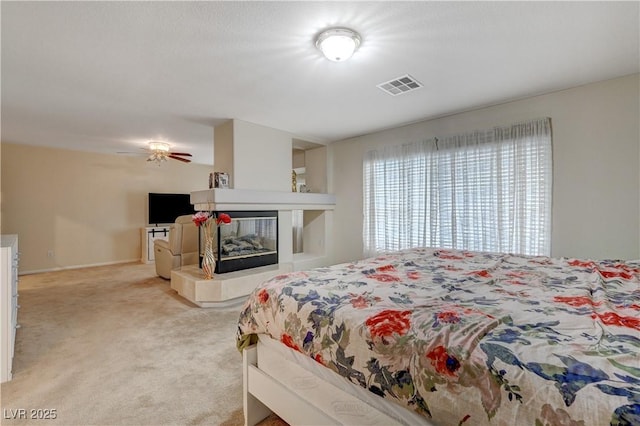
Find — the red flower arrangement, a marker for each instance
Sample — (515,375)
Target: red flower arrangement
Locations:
(206,220)
(202,218)
(223,218)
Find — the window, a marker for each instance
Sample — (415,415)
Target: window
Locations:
(482,191)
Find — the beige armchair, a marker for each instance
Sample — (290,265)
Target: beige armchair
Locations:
(181,249)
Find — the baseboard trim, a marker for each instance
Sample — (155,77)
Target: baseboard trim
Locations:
(90,265)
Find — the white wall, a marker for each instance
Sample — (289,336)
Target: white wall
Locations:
(86,208)
(316,169)
(223,150)
(263,160)
(262,157)
(596,167)
(298,158)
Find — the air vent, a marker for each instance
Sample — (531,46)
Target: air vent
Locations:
(400,85)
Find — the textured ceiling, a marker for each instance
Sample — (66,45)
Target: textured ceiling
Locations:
(109,76)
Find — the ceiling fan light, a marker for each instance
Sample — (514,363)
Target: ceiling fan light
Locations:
(159,146)
(338,44)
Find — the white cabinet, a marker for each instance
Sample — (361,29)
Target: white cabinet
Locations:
(149,235)
(9,303)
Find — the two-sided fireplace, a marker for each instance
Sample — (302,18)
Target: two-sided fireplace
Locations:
(249,241)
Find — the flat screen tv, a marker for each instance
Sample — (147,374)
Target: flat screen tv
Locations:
(165,208)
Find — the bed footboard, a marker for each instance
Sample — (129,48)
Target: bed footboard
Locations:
(254,410)
(285,389)
(264,394)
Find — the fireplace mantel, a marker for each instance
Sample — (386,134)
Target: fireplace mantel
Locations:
(247,199)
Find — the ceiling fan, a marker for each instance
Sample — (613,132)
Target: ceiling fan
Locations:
(159,152)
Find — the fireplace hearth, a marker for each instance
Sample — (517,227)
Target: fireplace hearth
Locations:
(249,241)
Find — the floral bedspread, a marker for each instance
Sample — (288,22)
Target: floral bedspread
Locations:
(469,338)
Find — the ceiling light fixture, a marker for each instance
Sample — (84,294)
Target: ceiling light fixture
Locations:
(338,44)
(159,152)
(159,146)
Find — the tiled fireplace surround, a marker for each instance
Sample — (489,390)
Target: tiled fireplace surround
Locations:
(259,162)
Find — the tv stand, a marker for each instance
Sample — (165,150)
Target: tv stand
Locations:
(148,235)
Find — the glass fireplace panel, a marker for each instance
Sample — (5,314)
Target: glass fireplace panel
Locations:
(249,241)
(248,236)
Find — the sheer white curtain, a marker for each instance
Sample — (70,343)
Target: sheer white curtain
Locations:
(484,191)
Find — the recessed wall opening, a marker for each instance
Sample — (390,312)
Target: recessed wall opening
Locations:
(309,233)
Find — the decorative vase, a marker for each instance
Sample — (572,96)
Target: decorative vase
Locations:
(208,259)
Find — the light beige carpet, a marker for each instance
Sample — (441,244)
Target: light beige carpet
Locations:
(114,345)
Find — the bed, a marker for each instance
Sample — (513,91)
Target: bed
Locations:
(446,337)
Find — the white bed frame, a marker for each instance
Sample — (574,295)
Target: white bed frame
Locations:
(273,384)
